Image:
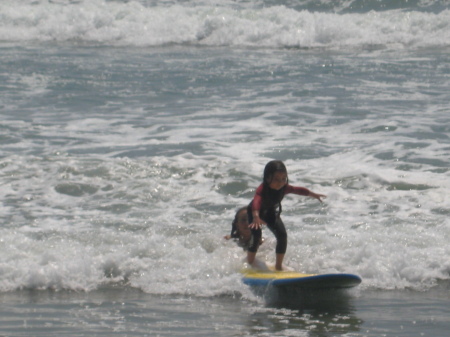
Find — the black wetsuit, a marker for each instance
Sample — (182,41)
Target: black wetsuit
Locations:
(268,202)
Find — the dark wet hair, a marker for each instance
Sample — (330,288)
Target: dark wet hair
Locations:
(269,171)
(234,229)
(271,168)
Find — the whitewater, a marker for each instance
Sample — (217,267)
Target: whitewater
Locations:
(229,23)
(132,131)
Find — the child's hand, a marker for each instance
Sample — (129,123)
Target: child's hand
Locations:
(257,223)
(317,196)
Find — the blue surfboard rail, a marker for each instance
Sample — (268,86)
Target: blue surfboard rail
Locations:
(319,281)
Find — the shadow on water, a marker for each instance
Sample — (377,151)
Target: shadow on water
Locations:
(320,300)
(320,312)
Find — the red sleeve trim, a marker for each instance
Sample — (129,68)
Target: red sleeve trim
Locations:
(257,200)
(296,190)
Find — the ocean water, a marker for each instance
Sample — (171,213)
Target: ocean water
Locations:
(131,132)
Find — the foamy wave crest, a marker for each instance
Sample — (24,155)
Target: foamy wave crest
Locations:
(134,24)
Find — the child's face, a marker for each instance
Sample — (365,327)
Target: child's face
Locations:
(279,180)
(242,224)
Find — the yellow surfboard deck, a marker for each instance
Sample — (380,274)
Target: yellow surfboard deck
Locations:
(273,274)
(269,277)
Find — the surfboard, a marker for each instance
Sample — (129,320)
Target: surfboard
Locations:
(265,278)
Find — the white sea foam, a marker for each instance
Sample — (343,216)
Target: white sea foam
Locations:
(158,224)
(134,24)
(126,166)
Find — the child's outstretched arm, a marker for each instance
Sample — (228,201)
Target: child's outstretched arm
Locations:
(304,191)
(316,196)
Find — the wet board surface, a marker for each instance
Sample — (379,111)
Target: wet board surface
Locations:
(300,280)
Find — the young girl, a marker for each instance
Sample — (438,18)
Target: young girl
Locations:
(265,209)
(240,229)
